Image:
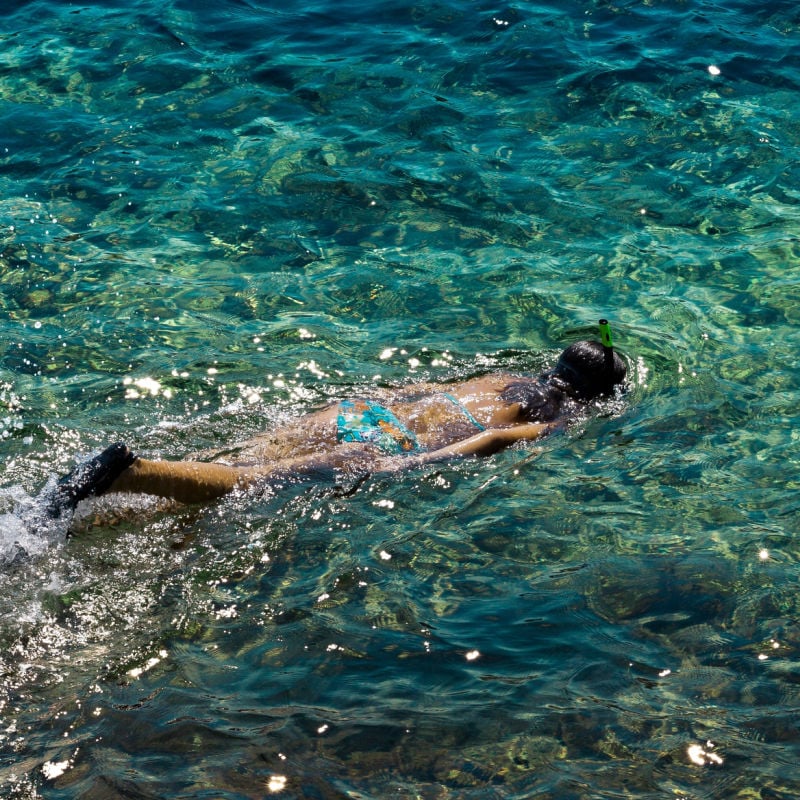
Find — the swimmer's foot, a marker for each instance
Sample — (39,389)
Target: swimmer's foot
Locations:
(93,477)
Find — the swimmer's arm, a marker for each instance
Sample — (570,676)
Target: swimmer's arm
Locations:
(489,441)
(484,443)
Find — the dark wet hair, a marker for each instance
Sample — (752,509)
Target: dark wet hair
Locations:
(539,400)
(585,371)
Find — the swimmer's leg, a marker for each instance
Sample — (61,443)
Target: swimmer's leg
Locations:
(185,481)
(116,469)
(93,477)
(201,481)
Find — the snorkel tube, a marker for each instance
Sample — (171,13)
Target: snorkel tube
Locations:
(608,344)
(605,335)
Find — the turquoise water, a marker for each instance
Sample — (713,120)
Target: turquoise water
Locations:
(214,216)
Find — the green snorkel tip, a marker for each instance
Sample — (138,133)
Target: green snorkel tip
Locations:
(605,333)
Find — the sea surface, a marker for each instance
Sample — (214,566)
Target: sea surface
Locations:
(215,216)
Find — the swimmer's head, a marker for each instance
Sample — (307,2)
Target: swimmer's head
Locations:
(586,370)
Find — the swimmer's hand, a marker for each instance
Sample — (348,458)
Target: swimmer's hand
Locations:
(93,477)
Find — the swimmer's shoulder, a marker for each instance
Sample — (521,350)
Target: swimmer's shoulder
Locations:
(491,383)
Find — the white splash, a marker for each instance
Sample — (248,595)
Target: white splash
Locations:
(25,530)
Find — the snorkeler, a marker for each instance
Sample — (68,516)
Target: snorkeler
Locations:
(385,432)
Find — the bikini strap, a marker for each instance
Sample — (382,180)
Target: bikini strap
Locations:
(464,410)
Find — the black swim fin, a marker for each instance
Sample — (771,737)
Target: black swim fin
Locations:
(93,477)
